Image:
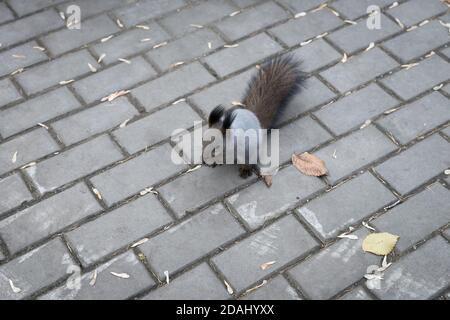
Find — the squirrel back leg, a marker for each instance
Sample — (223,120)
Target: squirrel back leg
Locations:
(245,171)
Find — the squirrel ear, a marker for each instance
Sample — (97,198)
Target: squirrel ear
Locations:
(216,115)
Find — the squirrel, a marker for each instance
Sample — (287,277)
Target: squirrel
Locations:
(268,91)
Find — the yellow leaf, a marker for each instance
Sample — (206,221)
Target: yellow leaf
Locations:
(380,243)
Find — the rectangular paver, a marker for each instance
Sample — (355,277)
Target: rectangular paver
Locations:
(275,289)
(258,204)
(47,217)
(417,164)
(316,55)
(136,174)
(14,192)
(119,228)
(282,241)
(359,69)
(8,93)
(37,110)
(20,57)
(156,127)
(420,275)
(353,9)
(181,82)
(107,286)
(415,11)
(29,147)
(326,273)
(417,118)
(409,83)
(34,270)
(352,111)
(249,51)
(199,283)
(348,204)
(67,67)
(94,120)
(201,233)
(354,151)
(119,77)
(74,163)
(23,7)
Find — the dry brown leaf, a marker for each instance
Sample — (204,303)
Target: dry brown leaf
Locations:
(138,243)
(102,56)
(229,288)
(140,26)
(120,275)
(309,164)
(42,125)
(93,278)
(13,287)
(97,193)
(380,243)
(267,180)
(14,157)
(166,273)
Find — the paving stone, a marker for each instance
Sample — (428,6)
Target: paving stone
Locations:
(94,120)
(409,83)
(359,69)
(356,37)
(130,43)
(249,51)
(37,110)
(199,14)
(181,82)
(352,111)
(14,192)
(299,30)
(47,217)
(119,228)
(100,85)
(34,270)
(418,42)
(301,6)
(156,127)
(415,11)
(326,273)
(258,204)
(245,3)
(136,174)
(67,39)
(447,131)
(74,163)
(29,27)
(418,117)
(417,164)
(353,9)
(65,68)
(23,7)
(316,55)
(349,204)
(191,46)
(92,7)
(446,52)
(199,283)
(5,13)
(145,10)
(419,275)
(8,93)
(357,294)
(282,241)
(223,93)
(354,151)
(416,218)
(251,20)
(312,94)
(107,286)
(311,133)
(276,289)
(196,188)
(29,146)
(201,233)
(25,54)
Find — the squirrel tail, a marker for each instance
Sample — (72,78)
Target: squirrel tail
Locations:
(272,87)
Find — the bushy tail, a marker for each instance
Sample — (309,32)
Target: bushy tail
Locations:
(272,87)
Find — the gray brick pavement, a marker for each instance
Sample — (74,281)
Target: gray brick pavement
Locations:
(84,200)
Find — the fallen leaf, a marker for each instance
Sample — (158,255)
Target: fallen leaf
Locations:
(178,101)
(348,236)
(166,273)
(256,287)
(140,26)
(309,164)
(147,190)
(146,40)
(229,288)
(196,26)
(365,224)
(267,180)
(194,169)
(300,14)
(124,124)
(106,39)
(92,68)
(380,243)
(115,95)
(13,287)
(447,172)
(119,23)
(365,124)
(42,125)
(266,265)
(14,157)
(93,278)
(97,193)
(121,275)
(102,56)
(138,243)
(231,45)
(159,45)
(237,103)
(64,82)
(234,13)
(344,58)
